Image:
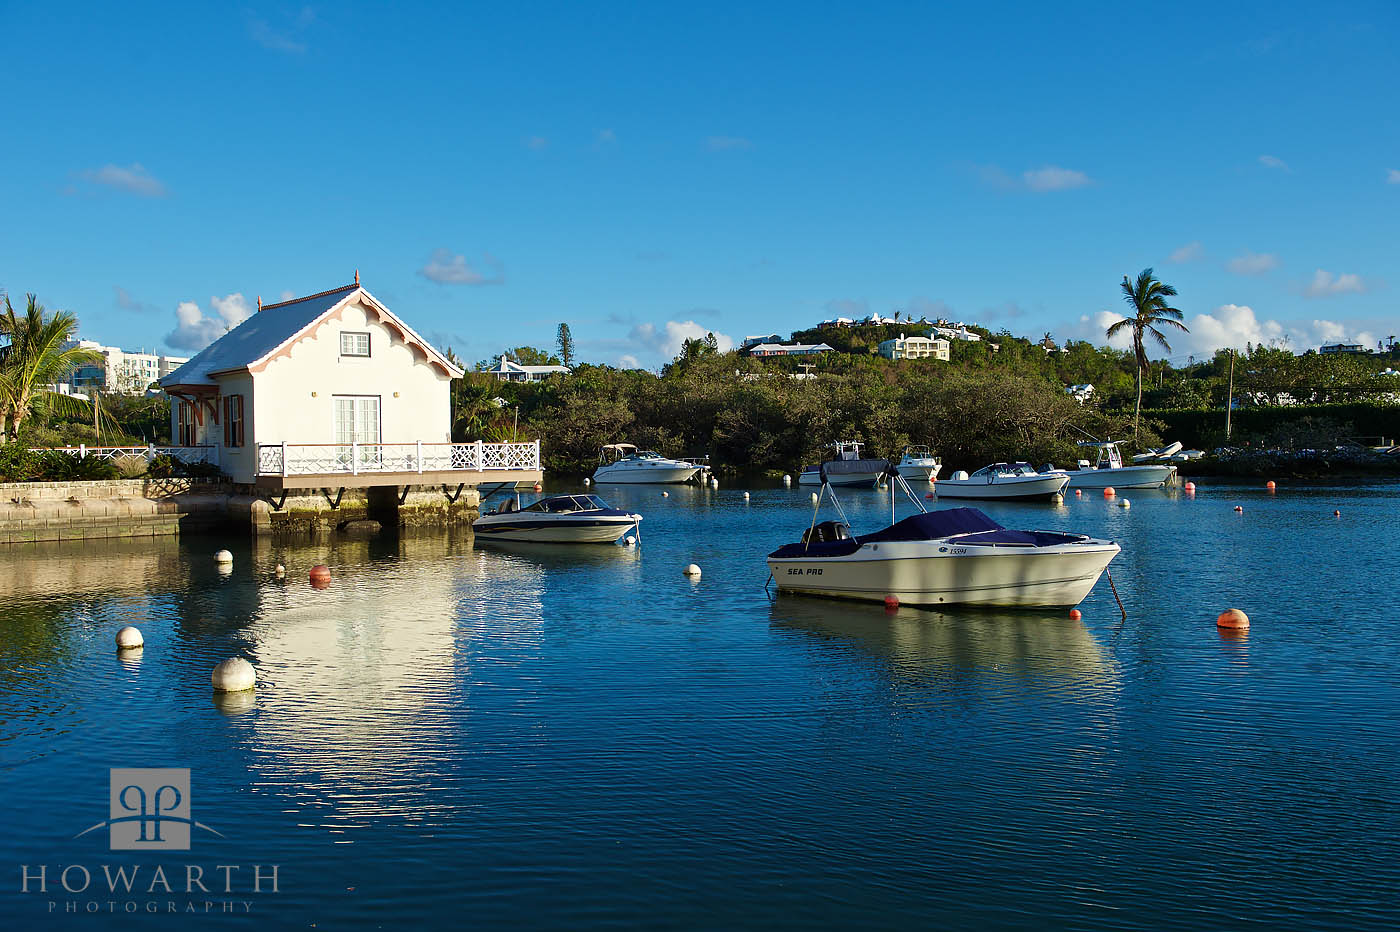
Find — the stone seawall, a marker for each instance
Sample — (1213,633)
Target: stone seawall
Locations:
(35,511)
(46,511)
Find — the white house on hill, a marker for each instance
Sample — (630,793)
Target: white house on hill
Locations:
(337,369)
(508,370)
(915,348)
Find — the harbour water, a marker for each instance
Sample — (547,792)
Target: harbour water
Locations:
(548,736)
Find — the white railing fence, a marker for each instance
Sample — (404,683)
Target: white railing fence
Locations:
(301,459)
(206,453)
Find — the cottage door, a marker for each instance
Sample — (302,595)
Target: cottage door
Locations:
(357,422)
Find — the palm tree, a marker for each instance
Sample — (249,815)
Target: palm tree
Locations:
(39,354)
(1148,297)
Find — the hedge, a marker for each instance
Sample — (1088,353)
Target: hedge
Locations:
(1206,429)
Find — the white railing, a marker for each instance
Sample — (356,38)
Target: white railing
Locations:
(205,453)
(301,459)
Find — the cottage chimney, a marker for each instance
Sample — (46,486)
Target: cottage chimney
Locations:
(259,304)
(357,276)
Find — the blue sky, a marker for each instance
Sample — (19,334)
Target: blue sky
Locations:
(644,172)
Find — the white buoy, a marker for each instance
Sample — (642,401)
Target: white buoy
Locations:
(587,482)
(787,480)
(1125,504)
(280,572)
(129,638)
(692,571)
(814,498)
(629,541)
(746,496)
(665,494)
(714,483)
(234,675)
(223,557)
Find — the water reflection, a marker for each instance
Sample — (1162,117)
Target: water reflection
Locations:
(939,649)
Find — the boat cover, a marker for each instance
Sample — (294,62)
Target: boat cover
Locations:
(847,467)
(929,526)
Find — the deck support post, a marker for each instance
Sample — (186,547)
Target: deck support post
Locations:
(334,503)
(453,496)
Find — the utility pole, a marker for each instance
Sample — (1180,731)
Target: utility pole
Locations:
(1230,395)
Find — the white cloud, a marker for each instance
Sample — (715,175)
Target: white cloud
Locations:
(1229,325)
(1271,161)
(1188,253)
(195,330)
(1053,178)
(666,340)
(722,143)
(1393,176)
(537,143)
(628,361)
(133,179)
(284,38)
(1252,263)
(447,268)
(1324,283)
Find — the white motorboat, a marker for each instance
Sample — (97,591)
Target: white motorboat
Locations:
(562,519)
(1161,453)
(622,462)
(1004,481)
(1108,470)
(919,464)
(958,556)
(847,468)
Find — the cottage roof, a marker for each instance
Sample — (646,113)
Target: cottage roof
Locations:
(272,331)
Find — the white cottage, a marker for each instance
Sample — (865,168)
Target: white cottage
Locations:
(335,377)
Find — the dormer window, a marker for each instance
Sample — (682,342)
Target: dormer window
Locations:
(354,344)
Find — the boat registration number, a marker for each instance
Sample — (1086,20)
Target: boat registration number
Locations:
(809,571)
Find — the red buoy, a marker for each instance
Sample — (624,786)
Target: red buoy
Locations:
(538,487)
(1190,486)
(1239,508)
(929,495)
(320,576)
(1074,614)
(1108,492)
(1233,619)
(891,603)
(1270,485)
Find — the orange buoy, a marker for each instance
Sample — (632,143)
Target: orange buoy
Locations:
(538,487)
(1240,509)
(320,576)
(1232,618)
(1270,485)
(1078,492)
(1074,614)
(1108,492)
(1190,486)
(891,603)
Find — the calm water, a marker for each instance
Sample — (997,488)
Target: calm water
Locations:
(553,736)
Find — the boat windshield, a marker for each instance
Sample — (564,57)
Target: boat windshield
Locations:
(560,504)
(918,453)
(1005,469)
(649,455)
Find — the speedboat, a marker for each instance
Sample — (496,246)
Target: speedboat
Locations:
(957,556)
(1108,470)
(565,519)
(622,462)
(1161,453)
(847,468)
(1004,481)
(919,463)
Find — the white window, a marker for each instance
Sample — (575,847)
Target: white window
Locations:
(354,344)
